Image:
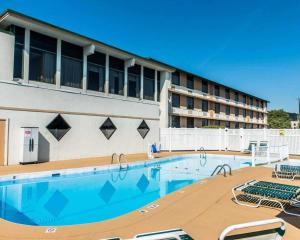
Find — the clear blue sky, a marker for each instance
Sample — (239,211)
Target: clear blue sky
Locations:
(252,45)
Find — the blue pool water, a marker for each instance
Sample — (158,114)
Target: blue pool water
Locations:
(95,196)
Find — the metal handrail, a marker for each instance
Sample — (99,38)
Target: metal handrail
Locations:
(122,156)
(252,224)
(113,157)
(202,150)
(219,168)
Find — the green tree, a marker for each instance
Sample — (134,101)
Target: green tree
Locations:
(278,118)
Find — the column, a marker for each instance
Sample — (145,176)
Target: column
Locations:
(142,83)
(165,84)
(26,55)
(106,85)
(58,64)
(155,87)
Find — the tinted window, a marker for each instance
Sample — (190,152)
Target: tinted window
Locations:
(175,121)
(217,107)
(190,103)
(176,78)
(116,75)
(227,93)
(217,91)
(204,86)
(134,81)
(190,81)
(190,122)
(227,110)
(175,100)
(204,105)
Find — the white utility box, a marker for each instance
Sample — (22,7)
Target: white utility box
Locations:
(29,145)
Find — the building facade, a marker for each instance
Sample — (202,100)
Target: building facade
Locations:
(89,99)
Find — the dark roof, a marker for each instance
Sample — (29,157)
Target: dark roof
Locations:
(208,80)
(10,11)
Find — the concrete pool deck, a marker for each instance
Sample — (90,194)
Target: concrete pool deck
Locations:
(202,209)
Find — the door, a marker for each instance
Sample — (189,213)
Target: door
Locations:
(2,142)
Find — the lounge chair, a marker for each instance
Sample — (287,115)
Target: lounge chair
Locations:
(249,149)
(257,193)
(172,234)
(288,172)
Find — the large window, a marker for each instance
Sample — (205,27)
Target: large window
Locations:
(227,93)
(158,85)
(204,86)
(176,78)
(190,103)
(134,81)
(71,65)
(244,99)
(227,124)
(204,122)
(227,110)
(116,76)
(236,111)
(175,100)
(190,122)
(96,72)
(251,114)
(149,83)
(217,91)
(19,47)
(236,96)
(204,106)
(42,58)
(251,101)
(190,81)
(217,122)
(175,121)
(236,125)
(244,113)
(217,107)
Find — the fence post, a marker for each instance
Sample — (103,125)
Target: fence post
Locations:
(170,139)
(220,139)
(253,154)
(226,139)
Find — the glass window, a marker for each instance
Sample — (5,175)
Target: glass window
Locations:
(190,103)
(257,115)
(217,107)
(217,122)
(190,122)
(227,124)
(236,111)
(176,78)
(134,81)
(116,76)
(204,106)
(251,114)
(158,86)
(244,113)
(217,91)
(19,47)
(190,81)
(149,83)
(251,101)
(227,93)
(227,110)
(204,86)
(71,65)
(257,103)
(236,96)
(204,122)
(175,121)
(236,125)
(96,72)
(175,100)
(244,99)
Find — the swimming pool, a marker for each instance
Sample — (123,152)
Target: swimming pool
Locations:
(78,196)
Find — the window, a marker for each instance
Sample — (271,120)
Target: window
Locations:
(108,128)
(58,127)
(251,114)
(134,81)
(227,124)
(149,83)
(175,100)
(175,121)
(143,129)
(257,103)
(42,58)
(227,110)
(96,72)
(217,91)
(217,122)
(190,122)
(244,113)
(19,47)
(71,65)
(190,103)
(116,76)
(236,111)
(204,86)
(261,104)
(158,86)
(244,99)
(204,106)
(227,93)
(257,115)
(244,125)
(251,126)
(236,125)
(217,107)
(204,122)
(176,78)
(251,101)
(236,96)
(190,81)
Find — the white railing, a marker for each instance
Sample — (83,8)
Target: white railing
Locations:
(279,141)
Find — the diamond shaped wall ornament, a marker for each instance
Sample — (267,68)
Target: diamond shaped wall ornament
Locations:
(143,129)
(143,183)
(58,127)
(56,203)
(107,191)
(108,128)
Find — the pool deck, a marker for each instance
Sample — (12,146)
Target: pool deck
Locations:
(202,209)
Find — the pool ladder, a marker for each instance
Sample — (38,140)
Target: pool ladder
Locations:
(120,158)
(202,152)
(219,168)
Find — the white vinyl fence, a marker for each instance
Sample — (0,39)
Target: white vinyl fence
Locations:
(279,141)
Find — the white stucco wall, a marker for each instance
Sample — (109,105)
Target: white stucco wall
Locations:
(26,106)
(7,43)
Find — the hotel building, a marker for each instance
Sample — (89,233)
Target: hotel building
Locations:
(90,99)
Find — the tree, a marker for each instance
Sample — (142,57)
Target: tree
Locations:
(278,118)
